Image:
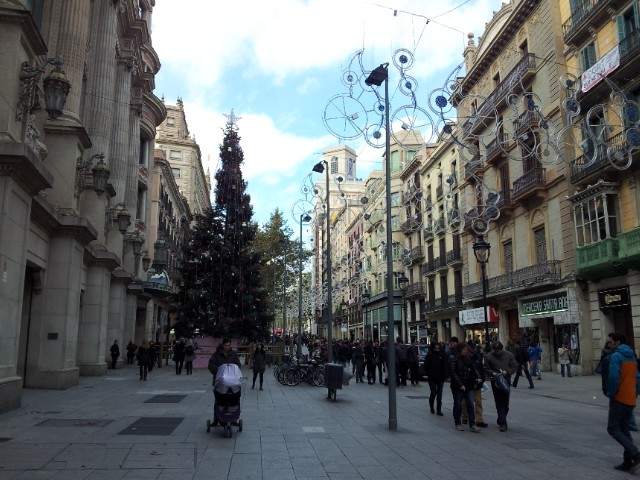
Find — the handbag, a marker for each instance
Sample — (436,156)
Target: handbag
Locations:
(501,382)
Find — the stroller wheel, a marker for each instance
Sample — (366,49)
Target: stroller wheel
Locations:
(208,426)
(240,425)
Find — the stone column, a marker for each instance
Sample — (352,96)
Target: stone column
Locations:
(99,104)
(92,332)
(72,47)
(117,310)
(149,332)
(131,191)
(54,325)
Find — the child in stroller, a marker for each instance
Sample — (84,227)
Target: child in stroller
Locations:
(225,367)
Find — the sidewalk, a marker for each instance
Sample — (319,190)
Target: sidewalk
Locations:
(557,430)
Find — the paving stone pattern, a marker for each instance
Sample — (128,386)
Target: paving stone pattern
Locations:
(558,430)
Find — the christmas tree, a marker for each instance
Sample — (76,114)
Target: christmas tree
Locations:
(222,281)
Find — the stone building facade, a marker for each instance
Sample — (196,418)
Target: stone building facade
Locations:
(510,113)
(183,153)
(73,184)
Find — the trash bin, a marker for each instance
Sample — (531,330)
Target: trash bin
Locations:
(333,378)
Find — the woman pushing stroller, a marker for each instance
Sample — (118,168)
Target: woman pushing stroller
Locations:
(224,365)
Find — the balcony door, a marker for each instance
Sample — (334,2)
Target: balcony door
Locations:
(540,243)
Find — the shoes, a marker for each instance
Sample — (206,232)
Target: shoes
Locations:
(252,387)
(474,429)
(459,427)
(624,466)
(634,463)
(530,387)
(539,378)
(440,414)
(464,421)
(503,428)
(482,425)
(261,388)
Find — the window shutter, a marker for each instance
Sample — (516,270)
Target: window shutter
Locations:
(620,24)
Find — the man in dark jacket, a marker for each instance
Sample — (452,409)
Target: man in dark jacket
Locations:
(501,362)
(178,355)
(414,364)
(222,355)
(370,360)
(435,367)
(115,353)
(380,358)
(464,380)
(522,357)
(478,361)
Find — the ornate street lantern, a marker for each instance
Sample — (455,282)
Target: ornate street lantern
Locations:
(123,218)
(146,261)
(101,174)
(56,88)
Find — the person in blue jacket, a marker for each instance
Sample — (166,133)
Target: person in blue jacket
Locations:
(535,355)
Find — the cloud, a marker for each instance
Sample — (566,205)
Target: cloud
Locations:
(269,152)
(282,37)
(308,84)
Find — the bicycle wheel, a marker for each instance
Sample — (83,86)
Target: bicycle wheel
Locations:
(281,376)
(318,377)
(292,377)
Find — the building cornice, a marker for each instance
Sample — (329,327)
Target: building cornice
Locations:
(18,161)
(167,173)
(9,13)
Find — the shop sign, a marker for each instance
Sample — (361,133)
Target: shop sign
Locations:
(557,302)
(472,316)
(601,69)
(614,297)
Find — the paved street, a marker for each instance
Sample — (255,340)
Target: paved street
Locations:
(557,430)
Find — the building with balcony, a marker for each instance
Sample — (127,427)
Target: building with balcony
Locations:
(374,260)
(509,107)
(432,314)
(344,187)
(183,153)
(603,53)
(74,174)
(168,229)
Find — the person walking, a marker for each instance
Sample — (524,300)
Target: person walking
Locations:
(258,365)
(142,356)
(403,364)
(522,357)
(464,380)
(501,364)
(435,367)
(564,360)
(223,354)
(358,362)
(189,356)
(478,361)
(178,356)
(115,353)
(413,359)
(535,356)
(131,352)
(370,360)
(622,389)
(380,359)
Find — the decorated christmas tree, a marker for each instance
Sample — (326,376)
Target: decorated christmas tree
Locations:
(223,290)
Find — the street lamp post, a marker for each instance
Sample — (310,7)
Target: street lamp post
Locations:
(323,166)
(365,302)
(379,75)
(303,218)
(482,249)
(403,282)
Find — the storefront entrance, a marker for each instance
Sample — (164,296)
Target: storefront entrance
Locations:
(615,304)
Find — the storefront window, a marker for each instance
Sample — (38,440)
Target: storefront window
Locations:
(596,219)
(567,336)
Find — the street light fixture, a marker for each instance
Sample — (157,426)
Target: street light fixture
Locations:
(482,250)
(320,167)
(377,77)
(304,218)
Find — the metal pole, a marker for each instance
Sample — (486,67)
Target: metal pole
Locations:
(284,293)
(329,287)
(299,346)
(391,350)
(483,269)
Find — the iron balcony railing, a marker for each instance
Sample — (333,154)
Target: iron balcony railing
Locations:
(415,290)
(474,166)
(544,273)
(588,164)
(429,267)
(504,201)
(441,304)
(453,256)
(531,180)
(582,15)
(416,254)
(495,147)
(512,82)
(629,45)
(527,119)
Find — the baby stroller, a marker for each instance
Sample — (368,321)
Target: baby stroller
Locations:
(227,391)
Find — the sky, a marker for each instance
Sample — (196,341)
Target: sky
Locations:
(277,63)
